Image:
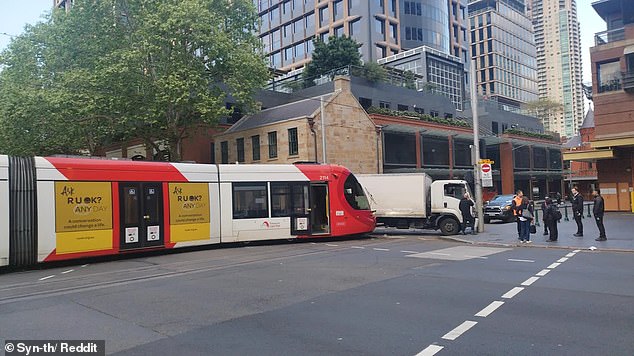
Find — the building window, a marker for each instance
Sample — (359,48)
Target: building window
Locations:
(273,144)
(337,9)
(240,149)
(224,152)
(380,27)
(609,76)
(522,157)
(293,146)
(400,149)
(354,28)
(324,16)
(419,110)
(402,107)
(494,127)
(407,8)
(435,151)
(540,159)
(384,104)
(255,147)
(250,200)
(462,153)
(419,9)
(433,113)
(338,31)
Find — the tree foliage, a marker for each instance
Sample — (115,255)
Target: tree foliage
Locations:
(116,69)
(543,107)
(338,52)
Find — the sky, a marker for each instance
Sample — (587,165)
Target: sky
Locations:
(16,14)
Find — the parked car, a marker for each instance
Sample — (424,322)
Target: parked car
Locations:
(499,208)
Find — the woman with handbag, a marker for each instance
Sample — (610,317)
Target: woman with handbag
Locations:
(526,217)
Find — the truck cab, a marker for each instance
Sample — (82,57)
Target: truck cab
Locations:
(445,204)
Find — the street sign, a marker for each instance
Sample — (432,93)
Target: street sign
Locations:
(486,173)
(485,160)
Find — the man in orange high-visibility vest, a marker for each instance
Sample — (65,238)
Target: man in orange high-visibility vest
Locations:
(517,201)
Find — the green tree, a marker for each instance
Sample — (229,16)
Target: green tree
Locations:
(374,72)
(337,53)
(543,108)
(117,69)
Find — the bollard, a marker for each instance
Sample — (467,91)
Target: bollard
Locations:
(566,213)
(589,211)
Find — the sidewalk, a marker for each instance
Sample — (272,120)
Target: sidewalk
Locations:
(619,228)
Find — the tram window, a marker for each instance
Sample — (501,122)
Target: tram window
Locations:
(250,201)
(354,194)
(288,199)
(130,199)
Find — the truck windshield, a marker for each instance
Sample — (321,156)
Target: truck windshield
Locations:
(354,194)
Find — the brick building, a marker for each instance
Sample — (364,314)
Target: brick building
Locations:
(612,60)
(582,174)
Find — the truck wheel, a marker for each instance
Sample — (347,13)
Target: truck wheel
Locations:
(449,226)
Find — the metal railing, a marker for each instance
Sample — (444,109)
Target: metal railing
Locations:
(605,37)
(610,85)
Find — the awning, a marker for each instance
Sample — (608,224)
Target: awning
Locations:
(628,50)
(614,142)
(590,155)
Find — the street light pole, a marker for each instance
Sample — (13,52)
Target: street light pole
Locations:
(476,146)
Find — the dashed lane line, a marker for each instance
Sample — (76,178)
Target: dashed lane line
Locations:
(459,330)
(562,260)
(410,252)
(543,272)
(430,350)
(570,254)
(480,257)
(530,281)
(358,247)
(332,245)
(489,309)
(69,271)
(517,260)
(380,249)
(513,292)
(47,277)
(554,265)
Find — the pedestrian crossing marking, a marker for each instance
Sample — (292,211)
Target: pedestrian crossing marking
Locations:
(459,253)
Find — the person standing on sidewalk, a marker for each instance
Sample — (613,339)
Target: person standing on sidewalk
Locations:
(551,218)
(598,210)
(525,216)
(577,211)
(515,204)
(467,218)
(544,207)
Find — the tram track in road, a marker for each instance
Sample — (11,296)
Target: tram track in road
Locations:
(29,290)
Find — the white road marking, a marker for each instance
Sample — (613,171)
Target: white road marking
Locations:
(381,249)
(529,281)
(332,245)
(430,350)
(410,252)
(69,271)
(516,260)
(439,254)
(554,265)
(513,292)
(359,247)
(570,254)
(480,257)
(489,309)
(543,272)
(562,260)
(47,277)
(86,265)
(576,251)
(459,330)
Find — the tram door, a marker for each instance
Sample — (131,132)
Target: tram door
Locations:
(319,209)
(141,206)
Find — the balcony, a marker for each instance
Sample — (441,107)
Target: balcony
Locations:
(628,81)
(605,37)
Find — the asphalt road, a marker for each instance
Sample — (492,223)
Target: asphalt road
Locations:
(375,296)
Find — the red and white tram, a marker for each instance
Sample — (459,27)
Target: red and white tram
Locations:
(55,208)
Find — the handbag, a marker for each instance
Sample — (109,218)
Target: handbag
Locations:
(527,214)
(533,229)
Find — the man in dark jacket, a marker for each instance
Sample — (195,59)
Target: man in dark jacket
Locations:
(598,210)
(551,219)
(577,211)
(465,208)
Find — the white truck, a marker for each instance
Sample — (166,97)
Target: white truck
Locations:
(415,201)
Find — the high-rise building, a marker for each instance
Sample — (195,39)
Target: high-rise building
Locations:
(458,27)
(287,27)
(559,72)
(504,52)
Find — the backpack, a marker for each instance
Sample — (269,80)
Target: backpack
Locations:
(556,214)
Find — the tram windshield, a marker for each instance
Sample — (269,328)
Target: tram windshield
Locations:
(354,194)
